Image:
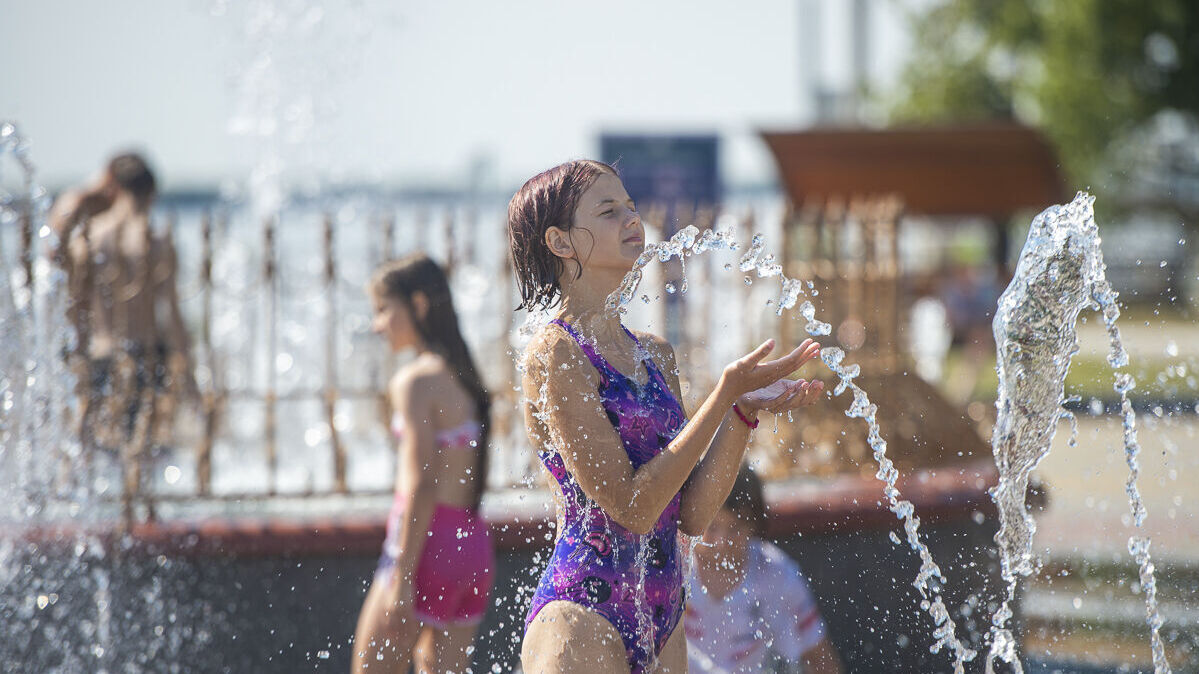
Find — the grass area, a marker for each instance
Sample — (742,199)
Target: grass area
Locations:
(1158,379)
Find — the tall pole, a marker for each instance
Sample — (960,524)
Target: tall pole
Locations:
(860,56)
(204,458)
(810,18)
(270,398)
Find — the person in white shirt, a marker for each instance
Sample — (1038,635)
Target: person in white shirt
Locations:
(749,608)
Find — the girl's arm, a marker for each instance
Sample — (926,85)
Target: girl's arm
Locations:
(562,387)
(712,480)
(416,470)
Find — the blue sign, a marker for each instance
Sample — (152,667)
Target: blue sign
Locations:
(665,169)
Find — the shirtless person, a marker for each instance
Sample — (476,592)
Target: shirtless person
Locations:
(124,304)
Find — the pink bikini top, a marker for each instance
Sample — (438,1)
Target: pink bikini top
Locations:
(465,436)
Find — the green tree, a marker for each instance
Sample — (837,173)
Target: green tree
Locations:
(1091,74)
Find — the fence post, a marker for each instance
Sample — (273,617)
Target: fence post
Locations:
(270,398)
(389,358)
(204,452)
(339,451)
(421,225)
(27,225)
(447,233)
(388,224)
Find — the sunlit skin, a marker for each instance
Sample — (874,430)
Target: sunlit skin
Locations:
(425,393)
(605,240)
(720,566)
(119,244)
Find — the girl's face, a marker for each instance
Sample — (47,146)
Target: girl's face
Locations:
(607,232)
(393,322)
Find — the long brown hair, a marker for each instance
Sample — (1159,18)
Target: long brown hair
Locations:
(546,200)
(438,329)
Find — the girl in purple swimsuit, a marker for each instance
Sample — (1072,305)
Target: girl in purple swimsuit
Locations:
(602,408)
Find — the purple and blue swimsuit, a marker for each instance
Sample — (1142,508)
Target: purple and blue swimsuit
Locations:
(634,581)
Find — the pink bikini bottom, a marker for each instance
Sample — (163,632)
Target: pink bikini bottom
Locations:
(456,568)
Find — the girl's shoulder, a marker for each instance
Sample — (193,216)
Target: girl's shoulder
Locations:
(432,371)
(551,344)
(426,373)
(662,354)
(657,345)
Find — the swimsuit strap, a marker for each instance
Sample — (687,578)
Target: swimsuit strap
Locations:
(598,361)
(460,436)
(650,366)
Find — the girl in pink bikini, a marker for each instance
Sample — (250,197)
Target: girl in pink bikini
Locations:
(433,583)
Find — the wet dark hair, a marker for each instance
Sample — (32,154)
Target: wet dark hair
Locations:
(747,500)
(133,174)
(400,280)
(547,200)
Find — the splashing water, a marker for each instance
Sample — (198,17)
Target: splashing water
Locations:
(814,327)
(35,383)
(687,241)
(1060,272)
(929,579)
(47,598)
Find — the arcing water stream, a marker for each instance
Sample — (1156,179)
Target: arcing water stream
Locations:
(929,579)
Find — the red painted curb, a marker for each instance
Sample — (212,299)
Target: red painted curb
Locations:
(842,504)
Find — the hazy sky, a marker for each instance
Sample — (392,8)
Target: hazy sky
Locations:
(403,92)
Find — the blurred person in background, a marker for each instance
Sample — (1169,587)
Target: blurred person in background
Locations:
(750,609)
(929,331)
(124,305)
(970,293)
(433,583)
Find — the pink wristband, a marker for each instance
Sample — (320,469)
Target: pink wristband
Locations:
(741,415)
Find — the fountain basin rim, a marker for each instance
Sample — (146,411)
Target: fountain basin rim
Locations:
(801,506)
(856,502)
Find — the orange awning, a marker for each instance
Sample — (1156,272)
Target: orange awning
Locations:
(987,169)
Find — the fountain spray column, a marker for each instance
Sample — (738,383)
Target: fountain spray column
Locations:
(1060,272)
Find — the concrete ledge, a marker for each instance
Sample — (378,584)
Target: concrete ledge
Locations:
(851,502)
